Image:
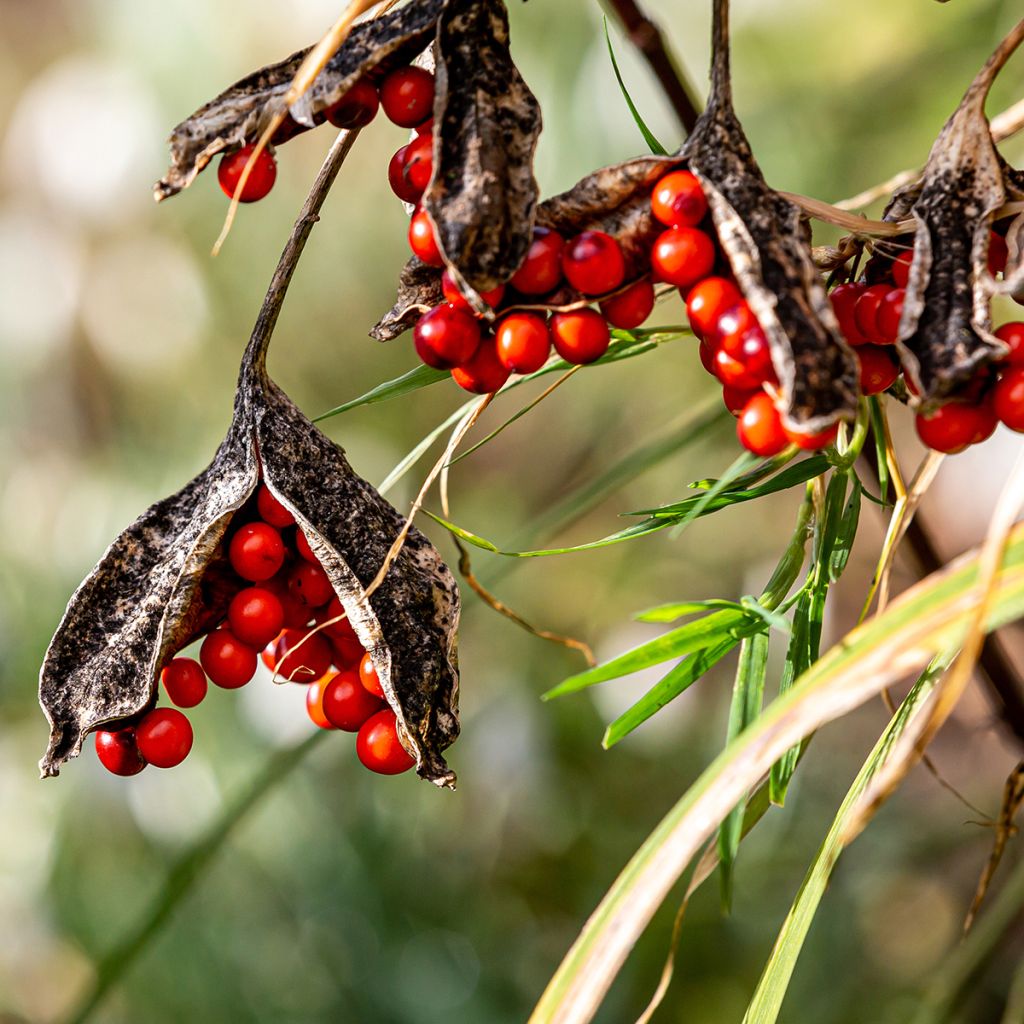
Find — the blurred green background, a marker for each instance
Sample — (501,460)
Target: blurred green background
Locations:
(348,897)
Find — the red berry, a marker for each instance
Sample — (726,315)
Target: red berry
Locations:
(271,510)
(226,660)
(878,369)
(309,584)
(750,353)
(484,373)
(759,427)
(184,682)
(256,552)
(164,737)
(407,96)
(347,704)
(456,299)
(295,612)
(523,342)
(707,357)
(736,398)
(299,656)
(581,336)
(900,268)
(303,548)
(987,420)
(682,256)
(426,128)
(631,307)
(890,309)
(844,300)
(357,108)
(952,427)
(1008,398)
(592,263)
(368,677)
(737,320)
(348,652)
(379,747)
(342,629)
(865,312)
(998,253)
(256,616)
(261,177)
(419,162)
(1013,335)
(118,751)
(315,702)
(678,200)
(423,241)
(446,337)
(707,301)
(400,184)
(812,442)
(541,269)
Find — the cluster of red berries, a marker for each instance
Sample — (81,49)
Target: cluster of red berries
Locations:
(285,607)
(869,314)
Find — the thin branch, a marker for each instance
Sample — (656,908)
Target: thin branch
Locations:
(645,35)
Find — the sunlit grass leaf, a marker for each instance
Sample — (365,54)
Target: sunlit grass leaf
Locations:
(680,609)
(653,144)
(931,617)
(798,660)
(846,533)
(413,380)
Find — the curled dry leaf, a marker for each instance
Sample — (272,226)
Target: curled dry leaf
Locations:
(945,332)
(159,585)
(239,114)
(419,289)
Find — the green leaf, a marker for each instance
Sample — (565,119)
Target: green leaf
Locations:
(798,660)
(652,143)
(680,609)
(747,699)
(878,435)
(413,380)
(411,458)
(846,533)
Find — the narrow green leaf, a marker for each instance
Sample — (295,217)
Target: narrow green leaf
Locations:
(798,660)
(679,610)
(747,700)
(652,143)
(878,435)
(846,533)
(771,618)
(411,458)
(413,380)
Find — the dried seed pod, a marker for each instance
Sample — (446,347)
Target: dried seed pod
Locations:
(419,290)
(945,331)
(162,582)
(768,247)
(240,113)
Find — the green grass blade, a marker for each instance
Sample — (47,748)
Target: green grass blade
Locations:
(798,660)
(652,143)
(412,457)
(413,380)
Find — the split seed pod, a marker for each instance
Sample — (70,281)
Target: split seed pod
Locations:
(162,583)
(945,332)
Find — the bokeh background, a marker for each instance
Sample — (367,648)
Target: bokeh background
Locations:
(347,897)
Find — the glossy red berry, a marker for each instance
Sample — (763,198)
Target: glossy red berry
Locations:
(419,162)
(303,548)
(682,256)
(309,584)
(580,336)
(952,427)
(256,552)
(631,307)
(400,185)
(423,241)
(592,263)
(707,354)
(541,269)
(184,682)
(342,628)
(226,660)
(678,200)
(348,652)
(707,301)
(900,269)
(878,369)
(446,337)
(295,612)
(865,312)
(255,616)
(844,300)
(998,253)
(759,427)
(368,677)
(271,510)
(347,704)
(523,342)
(484,373)
(164,737)
(378,746)
(357,108)
(1008,398)
(1013,336)
(812,442)
(735,399)
(118,751)
(299,656)
(261,178)
(315,703)
(457,300)
(407,96)
(737,320)
(890,309)
(750,352)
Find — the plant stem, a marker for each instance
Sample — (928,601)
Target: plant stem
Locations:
(645,35)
